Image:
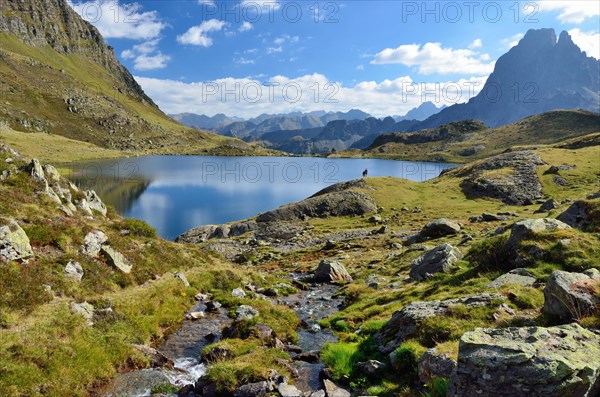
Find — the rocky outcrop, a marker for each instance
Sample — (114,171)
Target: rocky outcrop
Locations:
(404,323)
(584,215)
(517,276)
(92,243)
(331,272)
(440,228)
(439,259)
(116,259)
(94,202)
(433,364)
(571,296)
(508,177)
(531,361)
(14,243)
(529,227)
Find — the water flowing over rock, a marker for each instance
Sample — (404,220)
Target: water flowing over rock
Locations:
(116,259)
(331,272)
(530,361)
(570,296)
(14,243)
(439,259)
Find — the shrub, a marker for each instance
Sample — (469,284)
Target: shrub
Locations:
(491,254)
(137,227)
(406,356)
(340,358)
(437,387)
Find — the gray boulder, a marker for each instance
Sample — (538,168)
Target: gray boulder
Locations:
(531,361)
(404,322)
(333,390)
(547,206)
(332,272)
(92,243)
(116,259)
(570,296)
(258,389)
(516,276)
(439,259)
(74,270)
(286,390)
(433,364)
(245,312)
(528,227)
(371,368)
(85,309)
(182,277)
(14,243)
(579,215)
(440,228)
(94,202)
(238,293)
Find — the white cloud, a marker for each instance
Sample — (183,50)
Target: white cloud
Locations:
(571,11)
(476,44)
(587,41)
(257,95)
(433,58)
(260,5)
(244,61)
(147,56)
(512,41)
(360,67)
(246,26)
(272,50)
(120,21)
(251,51)
(198,35)
(207,2)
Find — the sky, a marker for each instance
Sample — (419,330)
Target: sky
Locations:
(248,57)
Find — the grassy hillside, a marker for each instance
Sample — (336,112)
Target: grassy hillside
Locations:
(543,129)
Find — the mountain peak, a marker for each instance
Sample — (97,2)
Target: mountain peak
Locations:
(539,38)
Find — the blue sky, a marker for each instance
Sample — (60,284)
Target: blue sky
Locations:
(246,57)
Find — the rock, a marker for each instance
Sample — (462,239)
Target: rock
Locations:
(14,243)
(52,174)
(238,293)
(258,389)
(331,272)
(439,259)
(156,358)
(404,322)
(529,361)
(547,206)
(528,227)
(312,356)
(245,312)
(371,368)
(182,277)
(37,172)
(329,245)
(560,181)
(516,276)
(217,353)
(74,270)
(195,316)
(263,331)
(487,217)
(286,390)
(116,259)
(333,390)
(592,196)
(570,296)
(92,243)
(553,170)
(84,207)
(375,219)
(200,297)
(435,365)
(85,309)
(440,228)
(318,393)
(213,306)
(582,215)
(94,202)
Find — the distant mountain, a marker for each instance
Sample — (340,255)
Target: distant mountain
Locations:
(537,75)
(202,122)
(420,113)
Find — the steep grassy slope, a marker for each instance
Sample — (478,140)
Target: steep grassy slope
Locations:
(449,143)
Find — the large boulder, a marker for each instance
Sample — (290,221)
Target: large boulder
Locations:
(528,227)
(404,323)
(570,296)
(433,364)
(94,202)
(531,361)
(92,243)
(439,259)
(14,243)
(584,215)
(245,312)
(116,259)
(334,390)
(332,272)
(440,228)
(517,276)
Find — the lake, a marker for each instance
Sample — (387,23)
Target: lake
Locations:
(176,193)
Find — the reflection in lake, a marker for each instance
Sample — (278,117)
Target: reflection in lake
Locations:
(176,193)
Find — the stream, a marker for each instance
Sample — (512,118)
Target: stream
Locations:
(184,346)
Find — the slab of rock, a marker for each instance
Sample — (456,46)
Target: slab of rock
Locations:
(14,243)
(570,296)
(530,361)
(116,259)
(258,389)
(581,216)
(182,277)
(528,227)
(245,312)
(404,322)
(439,259)
(433,364)
(332,272)
(92,243)
(74,270)
(333,390)
(286,390)
(84,207)
(516,276)
(94,202)
(547,206)
(238,293)
(371,368)
(440,228)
